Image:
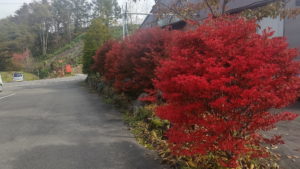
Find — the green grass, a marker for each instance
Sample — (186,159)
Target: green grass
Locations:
(68,46)
(8,76)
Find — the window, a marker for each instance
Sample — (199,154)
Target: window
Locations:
(18,75)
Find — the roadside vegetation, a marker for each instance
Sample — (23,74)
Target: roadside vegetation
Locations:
(8,76)
(33,39)
(201,98)
(55,64)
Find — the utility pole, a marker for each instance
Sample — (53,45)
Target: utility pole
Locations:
(125,24)
(125,15)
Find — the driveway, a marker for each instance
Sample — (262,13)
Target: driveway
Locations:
(290,130)
(59,124)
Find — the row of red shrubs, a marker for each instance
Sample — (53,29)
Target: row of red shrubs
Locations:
(218,83)
(129,65)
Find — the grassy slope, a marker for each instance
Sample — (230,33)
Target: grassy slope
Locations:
(70,53)
(7,76)
(70,50)
(73,50)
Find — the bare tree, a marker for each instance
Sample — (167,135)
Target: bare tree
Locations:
(188,10)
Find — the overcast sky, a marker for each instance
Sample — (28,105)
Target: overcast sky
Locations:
(8,7)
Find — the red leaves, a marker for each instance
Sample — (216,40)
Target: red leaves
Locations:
(219,83)
(100,57)
(130,64)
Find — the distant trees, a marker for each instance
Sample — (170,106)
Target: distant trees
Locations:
(106,9)
(43,26)
(106,13)
(97,34)
(70,17)
(81,13)
(13,39)
(62,10)
(41,22)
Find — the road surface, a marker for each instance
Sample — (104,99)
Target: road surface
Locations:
(59,124)
(290,131)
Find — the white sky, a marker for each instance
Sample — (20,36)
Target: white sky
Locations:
(8,7)
(141,6)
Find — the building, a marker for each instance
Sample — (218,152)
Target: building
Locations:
(290,28)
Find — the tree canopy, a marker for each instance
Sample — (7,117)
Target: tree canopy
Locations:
(43,26)
(97,34)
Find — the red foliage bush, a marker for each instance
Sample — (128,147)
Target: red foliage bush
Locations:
(20,60)
(113,62)
(219,83)
(100,57)
(131,63)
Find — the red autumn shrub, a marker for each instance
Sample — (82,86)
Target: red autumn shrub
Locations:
(131,63)
(20,60)
(219,84)
(99,58)
(113,61)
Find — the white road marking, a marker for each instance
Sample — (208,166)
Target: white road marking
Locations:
(7,96)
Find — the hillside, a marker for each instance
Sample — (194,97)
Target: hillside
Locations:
(54,64)
(70,54)
(72,50)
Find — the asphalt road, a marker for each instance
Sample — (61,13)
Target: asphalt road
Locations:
(59,124)
(290,132)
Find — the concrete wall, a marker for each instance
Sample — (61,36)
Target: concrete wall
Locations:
(289,28)
(292,28)
(276,25)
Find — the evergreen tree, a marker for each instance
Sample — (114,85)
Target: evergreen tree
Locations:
(13,38)
(107,9)
(97,34)
(81,9)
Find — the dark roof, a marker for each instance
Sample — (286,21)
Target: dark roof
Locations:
(152,19)
(252,5)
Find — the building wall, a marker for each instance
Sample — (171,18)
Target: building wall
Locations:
(292,28)
(275,24)
(292,31)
